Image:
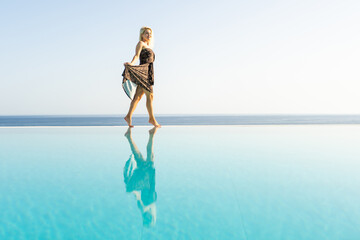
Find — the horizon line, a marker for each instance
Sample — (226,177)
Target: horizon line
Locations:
(186,114)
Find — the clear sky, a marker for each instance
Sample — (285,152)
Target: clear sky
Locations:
(212,57)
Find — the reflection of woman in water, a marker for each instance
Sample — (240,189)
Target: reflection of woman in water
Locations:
(139,177)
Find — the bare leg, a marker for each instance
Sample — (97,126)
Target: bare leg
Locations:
(149,100)
(138,94)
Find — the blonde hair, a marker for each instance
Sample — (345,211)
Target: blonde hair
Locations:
(142,30)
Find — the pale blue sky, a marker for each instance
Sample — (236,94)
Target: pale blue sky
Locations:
(212,57)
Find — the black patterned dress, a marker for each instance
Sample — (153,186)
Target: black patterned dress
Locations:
(143,74)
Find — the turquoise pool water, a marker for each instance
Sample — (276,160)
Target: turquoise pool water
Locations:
(203,182)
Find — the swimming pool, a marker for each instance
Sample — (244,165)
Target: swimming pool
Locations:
(202,182)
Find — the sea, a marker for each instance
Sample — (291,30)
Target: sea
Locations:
(142,120)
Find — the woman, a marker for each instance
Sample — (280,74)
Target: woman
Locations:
(142,75)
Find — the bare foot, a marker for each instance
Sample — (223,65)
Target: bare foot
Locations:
(153,130)
(128,120)
(155,123)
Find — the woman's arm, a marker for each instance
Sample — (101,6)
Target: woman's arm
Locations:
(137,54)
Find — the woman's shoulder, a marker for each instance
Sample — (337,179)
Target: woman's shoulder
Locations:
(142,45)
